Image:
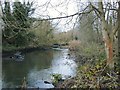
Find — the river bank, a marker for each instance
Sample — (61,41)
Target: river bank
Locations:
(80,60)
(7,52)
(92,72)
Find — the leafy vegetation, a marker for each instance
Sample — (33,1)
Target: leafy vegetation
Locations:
(19,30)
(95,76)
(56,78)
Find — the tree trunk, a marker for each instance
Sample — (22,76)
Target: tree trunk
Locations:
(118,17)
(1,23)
(108,44)
(106,37)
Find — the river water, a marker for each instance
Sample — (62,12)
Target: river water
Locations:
(37,67)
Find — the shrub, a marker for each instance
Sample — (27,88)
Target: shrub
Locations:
(74,45)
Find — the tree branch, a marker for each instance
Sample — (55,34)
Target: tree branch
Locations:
(78,13)
(111,9)
(95,8)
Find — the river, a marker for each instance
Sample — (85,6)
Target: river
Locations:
(37,67)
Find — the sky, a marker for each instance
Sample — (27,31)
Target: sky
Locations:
(57,8)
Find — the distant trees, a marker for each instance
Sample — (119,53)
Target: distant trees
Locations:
(43,31)
(87,33)
(66,37)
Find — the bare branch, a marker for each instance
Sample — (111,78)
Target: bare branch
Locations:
(68,16)
(78,13)
(95,8)
(97,13)
(110,9)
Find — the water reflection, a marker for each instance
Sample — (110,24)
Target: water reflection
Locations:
(36,67)
(62,64)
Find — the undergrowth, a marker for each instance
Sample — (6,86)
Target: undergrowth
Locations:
(92,71)
(96,76)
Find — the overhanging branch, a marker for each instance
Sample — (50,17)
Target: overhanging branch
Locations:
(78,13)
(62,17)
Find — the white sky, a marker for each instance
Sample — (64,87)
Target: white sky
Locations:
(56,8)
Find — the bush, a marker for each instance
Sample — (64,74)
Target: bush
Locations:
(74,45)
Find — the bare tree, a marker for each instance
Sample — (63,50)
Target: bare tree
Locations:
(108,34)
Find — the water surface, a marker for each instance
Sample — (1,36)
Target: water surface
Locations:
(37,67)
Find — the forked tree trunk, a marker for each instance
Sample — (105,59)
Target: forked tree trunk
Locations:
(106,37)
(108,44)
